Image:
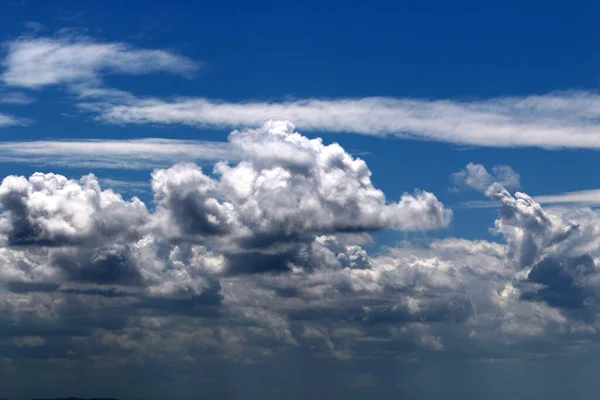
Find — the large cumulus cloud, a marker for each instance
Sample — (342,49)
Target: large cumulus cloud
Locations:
(287,186)
(286,190)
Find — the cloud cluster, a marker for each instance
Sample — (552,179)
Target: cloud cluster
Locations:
(224,266)
(80,264)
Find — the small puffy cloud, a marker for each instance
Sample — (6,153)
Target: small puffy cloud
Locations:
(506,176)
(477,177)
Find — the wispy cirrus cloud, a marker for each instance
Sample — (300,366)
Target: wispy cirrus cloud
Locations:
(125,185)
(15,98)
(79,63)
(554,120)
(142,154)
(581,198)
(9,120)
(568,119)
(37,62)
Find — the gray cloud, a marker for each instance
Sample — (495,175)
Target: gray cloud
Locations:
(562,281)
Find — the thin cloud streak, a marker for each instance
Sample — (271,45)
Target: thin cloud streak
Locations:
(15,98)
(138,154)
(583,197)
(9,120)
(590,198)
(126,186)
(555,120)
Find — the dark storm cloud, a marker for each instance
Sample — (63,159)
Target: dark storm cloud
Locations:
(563,281)
(107,266)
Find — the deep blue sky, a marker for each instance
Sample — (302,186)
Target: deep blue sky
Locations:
(265,49)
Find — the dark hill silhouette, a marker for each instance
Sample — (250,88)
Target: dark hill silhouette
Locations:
(76,398)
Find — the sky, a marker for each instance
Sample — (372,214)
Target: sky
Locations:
(240,200)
